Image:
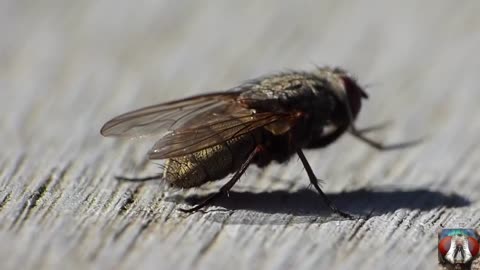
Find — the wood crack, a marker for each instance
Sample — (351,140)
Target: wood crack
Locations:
(32,202)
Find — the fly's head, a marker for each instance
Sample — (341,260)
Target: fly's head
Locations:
(458,246)
(345,88)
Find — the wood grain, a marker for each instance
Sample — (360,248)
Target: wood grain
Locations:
(68,66)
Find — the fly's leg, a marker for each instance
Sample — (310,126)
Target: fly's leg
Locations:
(139,179)
(313,179)
(374,127)
(225,188)
(379,146)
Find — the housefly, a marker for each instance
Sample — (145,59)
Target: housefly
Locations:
(207,137)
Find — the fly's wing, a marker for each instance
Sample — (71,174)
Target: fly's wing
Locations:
(191,124)
(213,131)
(160,118)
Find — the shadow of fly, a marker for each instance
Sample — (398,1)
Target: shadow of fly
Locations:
(271,118)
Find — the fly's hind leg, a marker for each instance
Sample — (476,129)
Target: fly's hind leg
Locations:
(142,179)
(225,188)
(139,179)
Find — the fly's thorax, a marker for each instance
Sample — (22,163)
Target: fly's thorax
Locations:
(209,164)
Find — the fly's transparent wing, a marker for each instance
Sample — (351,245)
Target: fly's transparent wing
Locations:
(192,124)
(215,131)
(160,118)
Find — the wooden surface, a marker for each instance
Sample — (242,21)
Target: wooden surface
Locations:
(68,66)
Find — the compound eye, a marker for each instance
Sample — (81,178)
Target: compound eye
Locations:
(473,246)
(352,87)
(444,245)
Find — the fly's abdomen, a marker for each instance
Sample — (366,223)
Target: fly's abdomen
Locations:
(209,164)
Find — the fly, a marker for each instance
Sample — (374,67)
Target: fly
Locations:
(271,118)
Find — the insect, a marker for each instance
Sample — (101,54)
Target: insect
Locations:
(271,118)
(458,247)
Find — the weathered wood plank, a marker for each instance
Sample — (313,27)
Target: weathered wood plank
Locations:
(66,67)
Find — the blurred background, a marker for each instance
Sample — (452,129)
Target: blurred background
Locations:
(68,66)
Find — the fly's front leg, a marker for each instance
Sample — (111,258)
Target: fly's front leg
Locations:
(374,127)
(379,146)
